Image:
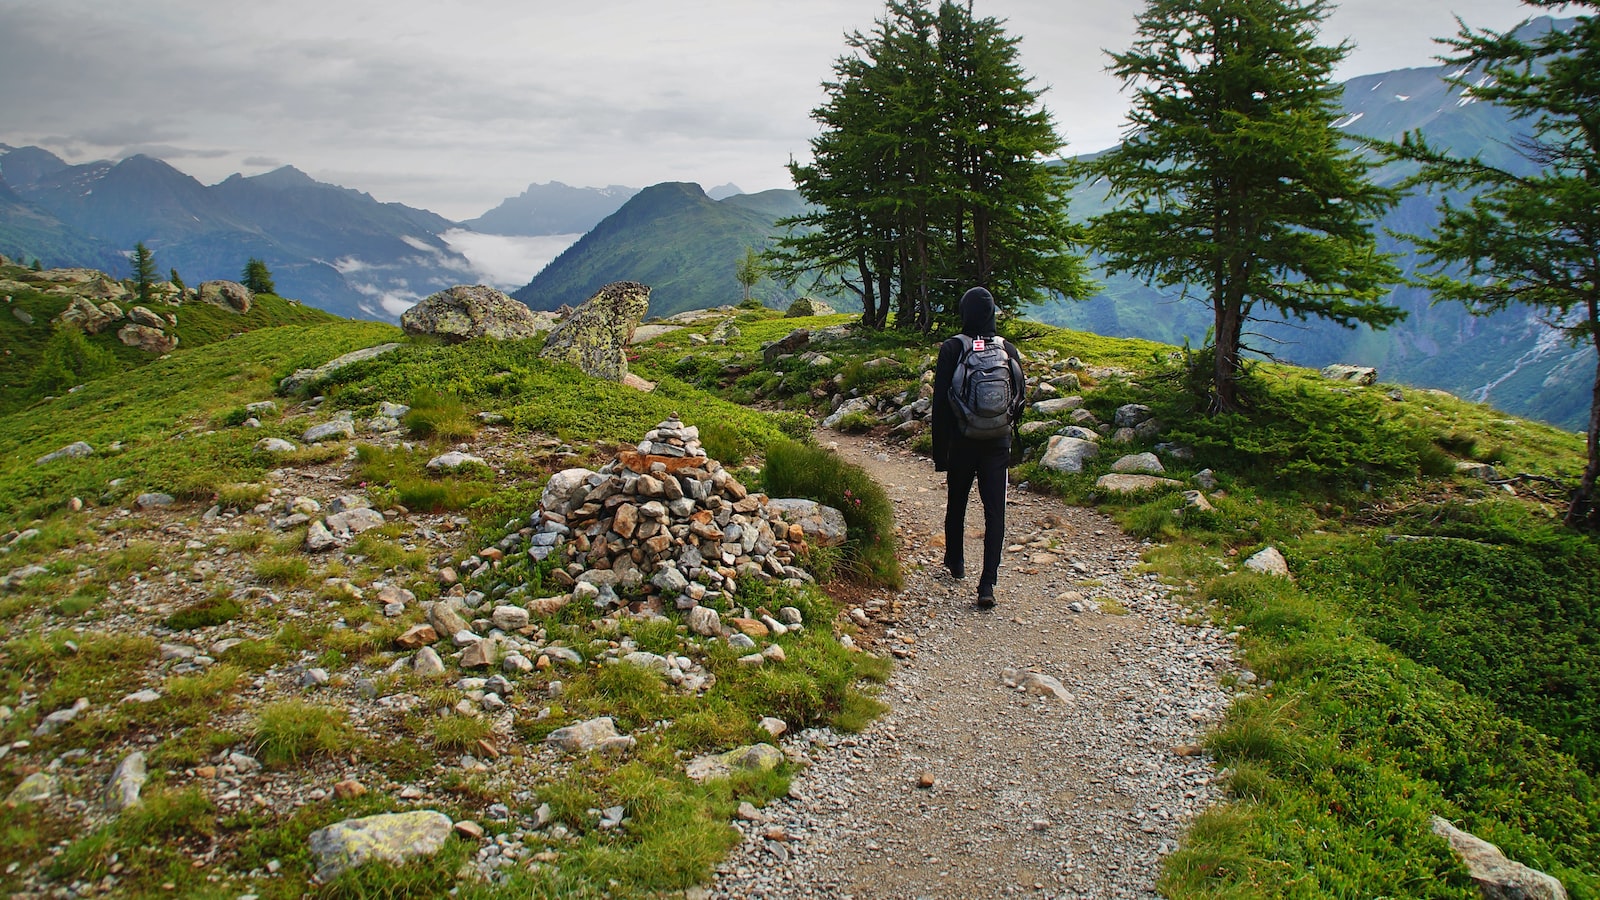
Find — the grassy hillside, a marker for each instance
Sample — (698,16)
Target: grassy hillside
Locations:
(1435,653)
(673,238)
(33,366)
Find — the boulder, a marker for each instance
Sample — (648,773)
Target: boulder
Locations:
(1130,484)
(1067,454)
(464,312)
(1130,415)
(1268,562)
(87,316)
(150,340)
(1362,375)
(454,460)
(74,450)
(305,377)
(594,734)
(1138,463)
(1498,878)
(753,758)
(789,343)
(139,315)
(338,429)
(390,837)
(808,306)
(1057,405)
(122,790)
(595,337)
(227,295)
(823,525)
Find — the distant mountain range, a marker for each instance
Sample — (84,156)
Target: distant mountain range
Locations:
(345,252)
(553,208)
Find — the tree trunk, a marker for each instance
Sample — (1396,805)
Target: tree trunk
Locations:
(1583,511)
(869,304)
(885,285)
(1229,324)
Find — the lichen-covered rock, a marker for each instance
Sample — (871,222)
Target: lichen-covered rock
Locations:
(150,340)
(74,450)
(808,306)
(390,837)
(753,758)
(464,312)
(87,316)
(1362,375)
(227,294)
(304,377)
(595,337)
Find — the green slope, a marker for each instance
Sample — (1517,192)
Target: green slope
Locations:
(675,239)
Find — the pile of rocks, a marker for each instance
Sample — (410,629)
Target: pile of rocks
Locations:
(672,525)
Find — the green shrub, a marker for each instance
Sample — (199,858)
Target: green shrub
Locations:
(439,416)
(796,470)
(289,731)
(69,358)
(204,614)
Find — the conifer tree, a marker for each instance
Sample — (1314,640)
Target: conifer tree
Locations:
(1528,239)
(257,278)
(144,271)
(1233,179)
(748,270)
(930,174)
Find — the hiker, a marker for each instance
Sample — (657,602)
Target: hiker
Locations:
(968,445)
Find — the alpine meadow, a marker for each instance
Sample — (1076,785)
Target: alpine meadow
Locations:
(324,572)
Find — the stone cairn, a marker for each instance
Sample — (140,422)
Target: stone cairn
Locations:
(669,524)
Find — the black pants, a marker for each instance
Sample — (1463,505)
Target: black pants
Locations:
(987,463)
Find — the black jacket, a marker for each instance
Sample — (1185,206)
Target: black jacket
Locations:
(977,320)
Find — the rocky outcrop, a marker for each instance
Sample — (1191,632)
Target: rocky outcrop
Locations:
(1362,375)
(150,340)
(227,295)
(390,837)
(595,337)
(1497,877)
(464,312)
(93,319)
(808,306)
(305,377)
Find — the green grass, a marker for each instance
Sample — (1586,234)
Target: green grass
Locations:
(289,731)
(204,614)
(794,469)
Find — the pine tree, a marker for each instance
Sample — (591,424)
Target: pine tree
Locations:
(1233,178)
(144,271)
(257,278)
(176,281)
(929,175)
(1528,239)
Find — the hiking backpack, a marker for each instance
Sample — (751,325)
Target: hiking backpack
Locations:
(986,389)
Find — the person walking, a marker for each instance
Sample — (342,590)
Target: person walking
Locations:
(968,447)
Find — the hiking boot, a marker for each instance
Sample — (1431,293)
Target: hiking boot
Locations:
(986,597)
(956,570)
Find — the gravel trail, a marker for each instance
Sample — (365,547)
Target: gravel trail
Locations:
(976,784)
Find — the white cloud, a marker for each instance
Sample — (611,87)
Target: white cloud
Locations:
(507,262)
(453,109)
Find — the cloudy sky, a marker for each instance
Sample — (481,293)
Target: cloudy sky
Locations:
(455,106)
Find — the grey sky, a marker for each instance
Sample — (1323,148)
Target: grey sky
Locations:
(455,106)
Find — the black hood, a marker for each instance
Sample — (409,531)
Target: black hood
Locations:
(977,313)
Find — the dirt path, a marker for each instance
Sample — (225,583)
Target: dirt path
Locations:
(1032,794)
